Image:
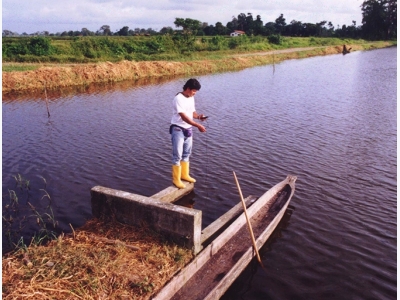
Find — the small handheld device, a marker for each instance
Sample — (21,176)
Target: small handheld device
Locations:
(203,117)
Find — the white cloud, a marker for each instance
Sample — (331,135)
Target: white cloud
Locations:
(55,16)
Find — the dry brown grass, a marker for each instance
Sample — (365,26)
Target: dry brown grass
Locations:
(54,77)
(98,261)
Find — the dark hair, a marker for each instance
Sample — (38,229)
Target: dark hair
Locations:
(192,84)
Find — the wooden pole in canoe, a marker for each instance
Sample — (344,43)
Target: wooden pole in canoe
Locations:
(248,221)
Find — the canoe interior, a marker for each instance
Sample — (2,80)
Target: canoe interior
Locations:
(211,232)
(208,276)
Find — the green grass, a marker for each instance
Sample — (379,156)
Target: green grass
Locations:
(15,67)
(23,54)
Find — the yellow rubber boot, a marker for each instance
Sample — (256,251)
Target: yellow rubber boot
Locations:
(185,172)
(176,176)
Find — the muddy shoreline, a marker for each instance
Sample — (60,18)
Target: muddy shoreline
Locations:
(61,76)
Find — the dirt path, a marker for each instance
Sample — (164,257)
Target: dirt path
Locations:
(290,50)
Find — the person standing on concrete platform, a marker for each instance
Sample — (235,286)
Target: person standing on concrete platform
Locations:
(181,130)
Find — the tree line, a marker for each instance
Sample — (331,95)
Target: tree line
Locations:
(379,21)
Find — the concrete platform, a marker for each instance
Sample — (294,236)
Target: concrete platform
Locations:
(180,224)
(172,193)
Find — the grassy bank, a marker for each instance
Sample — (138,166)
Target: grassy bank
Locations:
(55,76)
(98,261)
(38,51)
(161,47)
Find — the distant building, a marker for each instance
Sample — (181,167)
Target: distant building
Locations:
(237,33)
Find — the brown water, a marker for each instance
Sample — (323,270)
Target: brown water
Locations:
(329,120)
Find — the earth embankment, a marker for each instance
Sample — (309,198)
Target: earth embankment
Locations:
(58,76)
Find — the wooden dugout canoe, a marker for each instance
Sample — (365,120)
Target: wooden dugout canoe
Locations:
(215,268)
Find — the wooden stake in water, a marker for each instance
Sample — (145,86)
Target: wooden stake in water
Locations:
(273,62)
(47,102)
(248,221)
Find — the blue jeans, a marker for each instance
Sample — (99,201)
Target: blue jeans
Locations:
(181,146)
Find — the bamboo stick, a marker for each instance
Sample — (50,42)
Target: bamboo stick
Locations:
(248,221)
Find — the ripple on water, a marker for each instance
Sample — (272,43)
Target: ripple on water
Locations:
(334,129)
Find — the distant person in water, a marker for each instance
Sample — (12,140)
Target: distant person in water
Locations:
(182,122)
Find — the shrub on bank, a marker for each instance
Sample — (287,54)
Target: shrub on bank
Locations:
(275,39)
(36,46)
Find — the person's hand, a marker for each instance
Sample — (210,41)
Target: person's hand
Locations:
(201,128)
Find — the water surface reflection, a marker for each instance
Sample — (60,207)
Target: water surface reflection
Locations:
(329,120)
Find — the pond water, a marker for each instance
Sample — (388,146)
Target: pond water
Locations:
(329,120)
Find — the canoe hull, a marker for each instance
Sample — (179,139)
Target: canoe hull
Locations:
(215,268)
(242,263)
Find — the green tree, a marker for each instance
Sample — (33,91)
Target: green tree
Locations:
(295,28)
(321,30)
(220,29)
(249,24)
(353,31)
(209,30)
(190,26)
(232,25)
(186,41)
(269,28)
(9,33)
(309,29)
(258,25)
(391,18)
(379,19)
(280,24)
(241,22)
(104,30)
(86,32)
(166,30)
(331,28)
(124,31)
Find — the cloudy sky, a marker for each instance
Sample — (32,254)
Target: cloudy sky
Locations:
(58,16)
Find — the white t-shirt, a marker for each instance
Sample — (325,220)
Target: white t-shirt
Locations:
(182,104)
